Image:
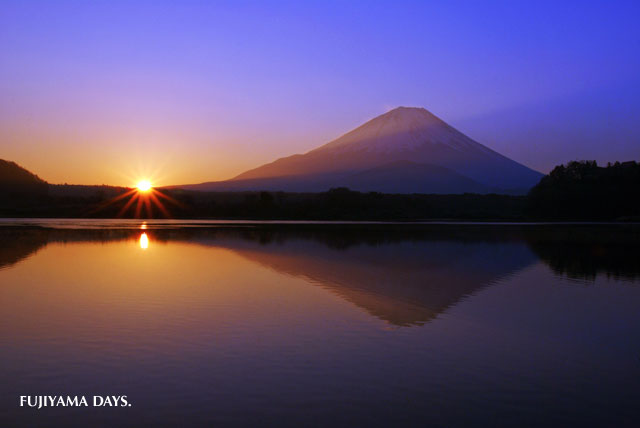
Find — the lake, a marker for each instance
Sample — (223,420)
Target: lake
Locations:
(309,324)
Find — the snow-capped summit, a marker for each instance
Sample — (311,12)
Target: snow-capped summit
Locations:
(403,128)
(405,150)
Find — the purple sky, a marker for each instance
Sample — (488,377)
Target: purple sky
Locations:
(182,92)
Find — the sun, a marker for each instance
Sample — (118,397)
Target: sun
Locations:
(142,200)
(144,186)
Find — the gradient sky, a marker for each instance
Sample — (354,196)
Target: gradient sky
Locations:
(109,92)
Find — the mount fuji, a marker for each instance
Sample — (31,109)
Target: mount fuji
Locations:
(406,150)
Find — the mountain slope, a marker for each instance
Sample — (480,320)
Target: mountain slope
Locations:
(411,177)
(402,134)
(393,177)
(14,179)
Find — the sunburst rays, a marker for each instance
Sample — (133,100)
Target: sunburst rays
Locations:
(141,204)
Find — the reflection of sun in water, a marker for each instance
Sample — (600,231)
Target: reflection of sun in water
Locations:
(144,185)
(144,241)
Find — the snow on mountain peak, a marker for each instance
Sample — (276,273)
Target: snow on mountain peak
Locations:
(402,134)
(401,129)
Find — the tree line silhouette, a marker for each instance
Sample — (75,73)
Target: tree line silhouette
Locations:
(585,191)
(578,191)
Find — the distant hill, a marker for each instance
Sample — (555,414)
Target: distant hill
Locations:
(17,181)
(405,150)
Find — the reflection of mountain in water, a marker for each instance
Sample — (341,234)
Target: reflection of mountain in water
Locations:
(17,245)
(405,275)
(404,283)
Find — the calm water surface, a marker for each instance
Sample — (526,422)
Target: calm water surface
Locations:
(240,324)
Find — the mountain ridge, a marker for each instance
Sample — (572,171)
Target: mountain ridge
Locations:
(402,134)
(17,180)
